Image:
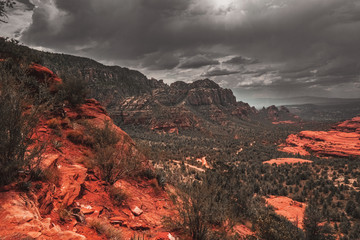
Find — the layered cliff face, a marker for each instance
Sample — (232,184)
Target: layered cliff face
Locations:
(342,141)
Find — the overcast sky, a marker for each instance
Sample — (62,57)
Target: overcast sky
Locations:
(258,48)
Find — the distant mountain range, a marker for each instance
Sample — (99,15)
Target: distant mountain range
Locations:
(259,102)
(133,99)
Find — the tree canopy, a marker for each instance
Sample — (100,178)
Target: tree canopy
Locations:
(4,4)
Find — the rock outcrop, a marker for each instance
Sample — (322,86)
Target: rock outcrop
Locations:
(279,115)
(45,76)
(342,141)
(292,210)
(182,106)
(21,219)
(71,193)
(280,161)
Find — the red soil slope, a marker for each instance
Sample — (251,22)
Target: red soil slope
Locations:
(342,141)
(79,190)
(292,210)
(279,161)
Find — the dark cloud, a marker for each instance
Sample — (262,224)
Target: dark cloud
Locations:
(197,62)
(312,43)
(160,61)
(241,60)
(218,72)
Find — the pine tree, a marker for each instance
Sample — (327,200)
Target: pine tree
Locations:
(312,219)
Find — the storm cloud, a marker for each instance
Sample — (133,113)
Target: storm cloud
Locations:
(264,47)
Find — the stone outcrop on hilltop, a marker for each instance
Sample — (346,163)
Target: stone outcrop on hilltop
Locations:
(342,141)
(74,195)
(45,75)
(183,106)
(278,115)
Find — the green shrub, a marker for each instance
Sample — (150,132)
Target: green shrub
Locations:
(113,163)
(18,120)
(74,90)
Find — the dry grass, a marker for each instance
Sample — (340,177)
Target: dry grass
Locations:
(64,214)
(105,228)
(77,137)
(54,123)
(118,195)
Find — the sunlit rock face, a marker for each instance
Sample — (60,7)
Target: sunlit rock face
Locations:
(342,141)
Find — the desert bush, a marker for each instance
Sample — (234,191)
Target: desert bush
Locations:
(161,178)
(105,228)
(75,136)
(64,214)
(117,195)
(148,173)
(73,90)
(78,137)
(54,123)
(51,174)
(201,206)
(113,163)
(103,137)
(18,120)
(271,226)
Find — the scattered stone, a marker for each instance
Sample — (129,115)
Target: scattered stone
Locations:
(136,211)
(34,234)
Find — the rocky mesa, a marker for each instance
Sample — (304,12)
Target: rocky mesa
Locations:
(342,141)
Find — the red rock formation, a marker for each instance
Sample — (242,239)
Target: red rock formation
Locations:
(79,190)
(292,210)
(352,125)
(45,75)
(343,141)
(20,219)
(279,161)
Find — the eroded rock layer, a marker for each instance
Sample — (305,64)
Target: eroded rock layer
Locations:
(342,141)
